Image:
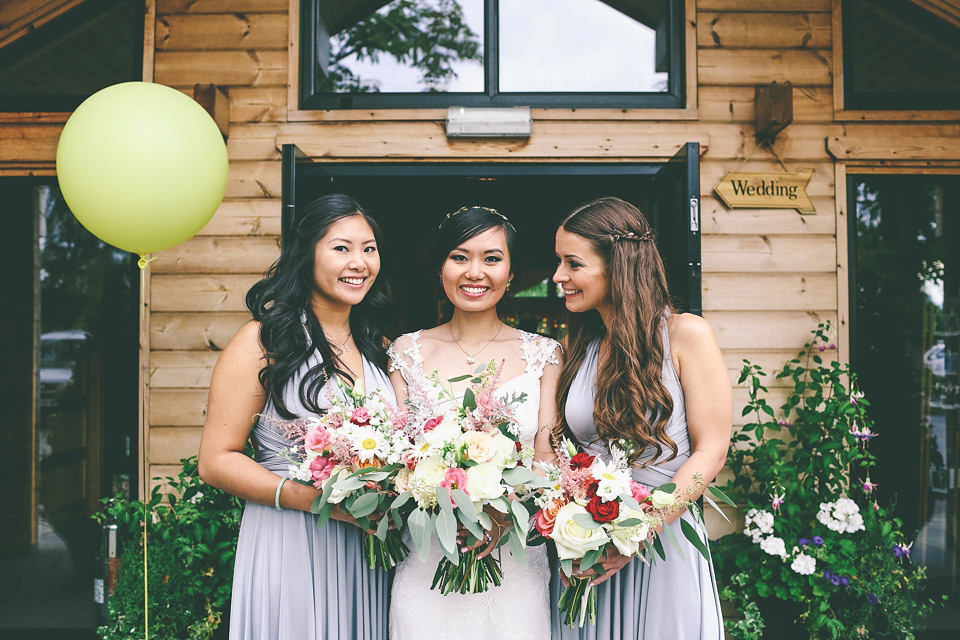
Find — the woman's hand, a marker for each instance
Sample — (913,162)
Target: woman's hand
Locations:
(339,514)
(613,561)
(492,538)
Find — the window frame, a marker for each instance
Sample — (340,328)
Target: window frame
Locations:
(859,106)
(308,99)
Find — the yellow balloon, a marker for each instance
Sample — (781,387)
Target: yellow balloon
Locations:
(142,166)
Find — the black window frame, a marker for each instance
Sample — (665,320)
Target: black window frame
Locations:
(673,98)
(885,100)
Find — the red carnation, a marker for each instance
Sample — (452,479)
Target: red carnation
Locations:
(603,511)
(432,423)
(581,461)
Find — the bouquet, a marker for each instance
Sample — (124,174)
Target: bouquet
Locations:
(353,453)
(463,458)
(591,507)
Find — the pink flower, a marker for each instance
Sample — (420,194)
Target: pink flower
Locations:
(316,439)
(869,486)
(639,492)
(320,470)
(454,478)
(432,423)
(360,417)
(777,501)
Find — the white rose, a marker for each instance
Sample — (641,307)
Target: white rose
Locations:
(402,480)
(662,499)
(430,471)
(573,540)
(506,451)
(337,495)
(484,482)
(480,446)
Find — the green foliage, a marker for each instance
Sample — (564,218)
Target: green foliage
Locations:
(191,545)
(815,449)
(426,35)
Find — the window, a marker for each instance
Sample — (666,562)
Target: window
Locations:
(439,53)
(899,56)
(58,66)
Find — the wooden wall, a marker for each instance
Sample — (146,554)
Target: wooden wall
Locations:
(769,276)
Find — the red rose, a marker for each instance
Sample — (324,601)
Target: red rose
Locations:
(519,446)
(432,423)
(603,511)
(581,461)
(592,489)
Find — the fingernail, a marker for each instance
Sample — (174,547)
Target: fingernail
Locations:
(463,549)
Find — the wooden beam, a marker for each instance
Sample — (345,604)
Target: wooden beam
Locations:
(894,148)
(948,10)
(21,17)
(213,99)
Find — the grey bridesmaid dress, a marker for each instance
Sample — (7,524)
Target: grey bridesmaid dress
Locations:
(677,598)
(293,581)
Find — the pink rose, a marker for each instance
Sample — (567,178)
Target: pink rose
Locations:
(316,439)
(432,423)
(639,491)
(546,517)
(454,478)
(320,470)
(360,417)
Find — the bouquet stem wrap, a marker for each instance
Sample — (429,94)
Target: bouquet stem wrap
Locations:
(578,602)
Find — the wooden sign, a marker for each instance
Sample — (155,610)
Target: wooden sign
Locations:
(752,190)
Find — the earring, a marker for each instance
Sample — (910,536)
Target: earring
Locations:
(508,285)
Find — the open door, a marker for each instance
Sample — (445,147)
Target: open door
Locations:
(676,218)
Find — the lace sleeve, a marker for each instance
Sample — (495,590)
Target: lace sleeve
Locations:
(404,354)
(539,351)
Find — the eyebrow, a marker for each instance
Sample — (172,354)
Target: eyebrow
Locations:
(500,251)
(345,240)
(569,255)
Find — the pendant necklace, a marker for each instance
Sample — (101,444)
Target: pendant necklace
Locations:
(473,358)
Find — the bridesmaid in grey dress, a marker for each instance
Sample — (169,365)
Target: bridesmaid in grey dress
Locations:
(317,315)
(639,371)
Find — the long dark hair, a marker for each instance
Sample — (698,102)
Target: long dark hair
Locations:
(467,223)
(632,402)
(281,300)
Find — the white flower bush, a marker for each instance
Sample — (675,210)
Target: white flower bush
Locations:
(758,524)
(842,516)
(774,546)
(804,565)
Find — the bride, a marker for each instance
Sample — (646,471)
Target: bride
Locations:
(473,255)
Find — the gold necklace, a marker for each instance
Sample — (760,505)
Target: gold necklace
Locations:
(473,358)
(343,348)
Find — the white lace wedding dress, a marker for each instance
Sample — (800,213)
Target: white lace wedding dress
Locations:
(519,607)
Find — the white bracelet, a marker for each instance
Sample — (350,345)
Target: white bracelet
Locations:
(276,499)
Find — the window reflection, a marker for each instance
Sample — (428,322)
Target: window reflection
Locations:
(406,46)
(583,45)
(905,348)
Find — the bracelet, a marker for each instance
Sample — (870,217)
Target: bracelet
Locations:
(276,499)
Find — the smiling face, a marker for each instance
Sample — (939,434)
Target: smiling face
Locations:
(476,272)
(346,263)
(581,274)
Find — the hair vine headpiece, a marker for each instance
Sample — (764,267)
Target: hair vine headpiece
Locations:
(487,209)
(630,235)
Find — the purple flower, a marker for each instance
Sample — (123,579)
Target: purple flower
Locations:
(898,551)
(776,501)
(844,580)
(817,540)
(832,346)
(822,348)
(873,599)
(827,574)
(835,580)
(803,542)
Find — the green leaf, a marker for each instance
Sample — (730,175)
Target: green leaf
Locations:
(672,539)
(459,378)
(365,504)
(465,504)
(420,526)
(669,487)
(720,495)
(400,500)
(469,400)
(694,537)
(447,531)
(521,518)
(517,545)
(500,504)
(518,475)
(485,520)
(590,558)
(567,567)
(586,521)
(629,522)
(382,528)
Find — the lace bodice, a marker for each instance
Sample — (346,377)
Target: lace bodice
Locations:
(536,351)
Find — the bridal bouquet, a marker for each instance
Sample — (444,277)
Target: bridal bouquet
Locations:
(353,453)
(463,459)
(591,507)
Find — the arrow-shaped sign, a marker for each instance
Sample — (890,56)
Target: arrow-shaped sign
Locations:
(752,190)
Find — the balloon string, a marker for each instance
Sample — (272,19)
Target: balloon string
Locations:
(142,263)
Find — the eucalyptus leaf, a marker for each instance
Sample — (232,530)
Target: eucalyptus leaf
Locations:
(349,484)
(521,518)
(421,528)
(694,537)
(382,528)
(500,504)
(567,567)
(590,558)
(459,378)
(720,495)
(400,500)
(517,549)
(586,521)
(485,520)
(444,500)
(365,505)
(631,503)
(658,547)
(672,539)
(465,504)
(517,475)
(469,400)
(716,507)
(630,522)
(447,531)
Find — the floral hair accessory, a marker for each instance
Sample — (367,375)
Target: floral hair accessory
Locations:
(617,235)
(487,209)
